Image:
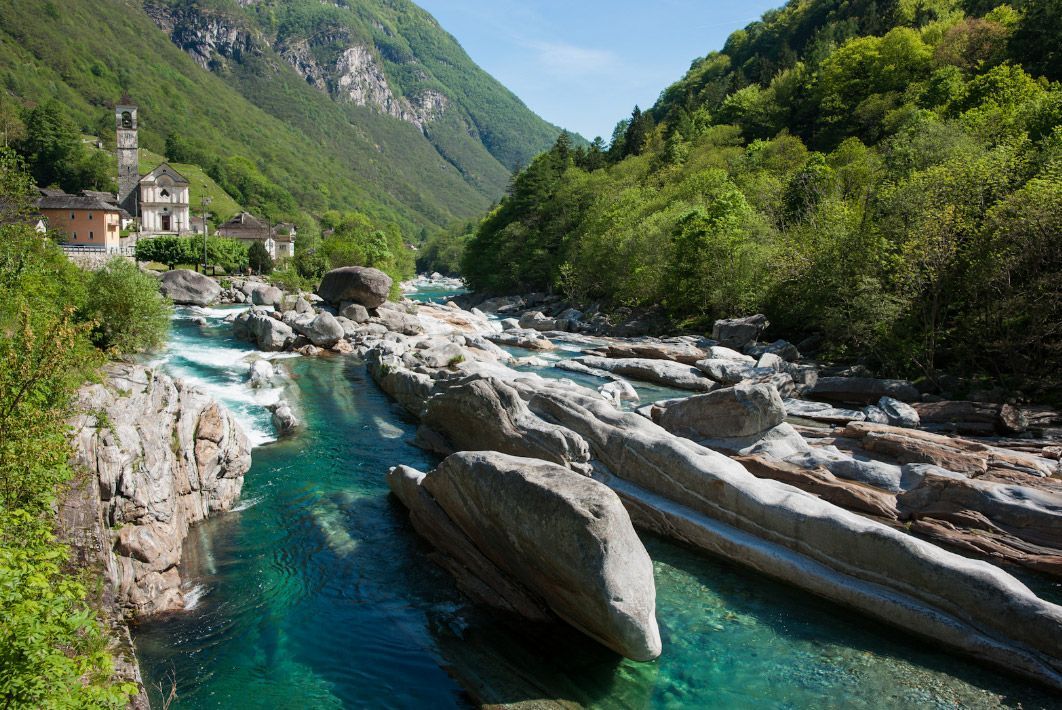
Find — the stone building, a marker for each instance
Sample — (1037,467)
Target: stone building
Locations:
(160,199)
(279,240)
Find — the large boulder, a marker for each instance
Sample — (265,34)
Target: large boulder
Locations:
(358,284)
(561,539)
(741,410)
(739,332)
(188,288)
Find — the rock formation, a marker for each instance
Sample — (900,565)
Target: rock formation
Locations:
(524,534)
(161,456)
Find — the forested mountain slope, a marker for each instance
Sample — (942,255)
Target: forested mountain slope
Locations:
(350,105)
(885,175)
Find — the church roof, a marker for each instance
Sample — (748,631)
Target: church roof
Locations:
(166,170)
(244,220)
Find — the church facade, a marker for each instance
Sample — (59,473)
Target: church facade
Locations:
(160,199)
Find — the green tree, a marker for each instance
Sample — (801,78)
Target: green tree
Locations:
(258,258)
(52,147)
(129,313)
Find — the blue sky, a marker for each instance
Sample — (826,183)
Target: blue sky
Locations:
(584,64)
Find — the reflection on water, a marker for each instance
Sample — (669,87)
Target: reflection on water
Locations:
(317,594)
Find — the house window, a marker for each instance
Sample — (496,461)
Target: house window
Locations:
(90,215)
(72,217)
(90,235)
(75,236)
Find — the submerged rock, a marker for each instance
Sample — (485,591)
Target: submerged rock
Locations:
(524,534)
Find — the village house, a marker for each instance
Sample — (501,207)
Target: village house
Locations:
(279,240)
(87,221)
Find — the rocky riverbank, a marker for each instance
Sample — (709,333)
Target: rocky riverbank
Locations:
(155,457)
(860,490)
(825,481)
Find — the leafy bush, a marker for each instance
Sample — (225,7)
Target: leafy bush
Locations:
(229,254)
(53,651)
(129,312)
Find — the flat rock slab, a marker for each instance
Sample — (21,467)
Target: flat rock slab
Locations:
(661,372)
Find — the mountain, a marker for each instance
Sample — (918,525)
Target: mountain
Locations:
(366,105)
(882,177)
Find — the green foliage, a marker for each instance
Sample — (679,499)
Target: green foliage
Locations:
(886,177)
(53,149)
(356,241)
(229,254)
(130,314)
(443,251)
(53,651)
(258,258)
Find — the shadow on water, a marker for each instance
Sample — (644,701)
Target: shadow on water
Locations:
(320,595)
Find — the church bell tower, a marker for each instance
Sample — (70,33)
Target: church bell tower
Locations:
(128,154)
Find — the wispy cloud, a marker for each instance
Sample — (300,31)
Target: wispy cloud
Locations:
(570,59)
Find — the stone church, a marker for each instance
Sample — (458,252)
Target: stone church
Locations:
(159,199)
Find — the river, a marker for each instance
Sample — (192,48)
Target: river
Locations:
(316,593)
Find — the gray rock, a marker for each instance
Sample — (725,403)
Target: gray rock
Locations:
(738,411)
(488,414)
(822,412)
(324,331)
(509,323)
(720,352)
(770,361)
(261,372)
(899,413)
(358,284)
(724,370)
(676,488)
(267,332)
(739,332)
(284,419)
(398,322)
(188,288)
(662,372)
(355,312)
(266,295)
(520,338)
(782,348)
(303,306)
(874,413)
(561,539)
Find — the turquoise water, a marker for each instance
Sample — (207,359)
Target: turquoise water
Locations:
(435,295)
(317,594)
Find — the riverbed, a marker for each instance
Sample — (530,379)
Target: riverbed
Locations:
(316,593)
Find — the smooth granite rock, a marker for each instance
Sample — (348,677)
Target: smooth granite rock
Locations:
(189,288)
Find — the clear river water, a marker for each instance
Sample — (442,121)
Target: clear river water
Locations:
(316,593)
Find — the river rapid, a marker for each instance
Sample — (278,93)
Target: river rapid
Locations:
(316,593)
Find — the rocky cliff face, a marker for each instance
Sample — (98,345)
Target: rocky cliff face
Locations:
(157,456)
(354,74)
